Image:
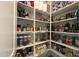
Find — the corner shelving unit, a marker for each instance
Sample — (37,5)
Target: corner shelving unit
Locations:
(48,32)
(25,20)
(35,22)
(42,24)
(58,13)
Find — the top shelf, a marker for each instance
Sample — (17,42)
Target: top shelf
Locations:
(66,8)
(26,5)
(47,13)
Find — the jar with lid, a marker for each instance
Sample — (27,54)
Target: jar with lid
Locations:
(25,40)
(69,41)
(20,41)
(18,54)
(29,39)
(24,28)
(77,42)
(19,28)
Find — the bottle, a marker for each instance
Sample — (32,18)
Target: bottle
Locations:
(30,39)
(25,40)
(28,27)
(67,27)
(74,39)
(20,52)
(24,52)
(73,28)
(24,28)
(77,42)
(64,38)
(21,12)
(18,11)
(69,41)
(69,52)
(77,27)
(63,50)
(20,41)
(58,48)
(57,28)
(19,28)
(61,28)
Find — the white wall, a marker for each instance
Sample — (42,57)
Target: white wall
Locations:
(6,27)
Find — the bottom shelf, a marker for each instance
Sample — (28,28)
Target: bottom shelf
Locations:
(64,51)
(57,53)
(42,50)
(24,52)
(51,53)
(71,47)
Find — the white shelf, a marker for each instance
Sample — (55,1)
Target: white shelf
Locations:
(65,33)
(29,45)
(25,18)
(71,47)
(37,43)
(28,32)
(41,31)
(42,21)
(68,7)
(73,5)
(64,20)
(29,19)
(57,53)
(25,32)
(26,5)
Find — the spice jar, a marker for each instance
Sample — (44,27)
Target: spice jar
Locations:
(69,41)
(77,42)
(19,41)
(61,29)
(25,40)
(24,28)
(19,28)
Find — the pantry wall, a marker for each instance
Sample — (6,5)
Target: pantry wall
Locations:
(6,28)
(43,26)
